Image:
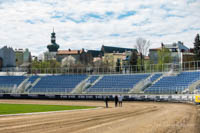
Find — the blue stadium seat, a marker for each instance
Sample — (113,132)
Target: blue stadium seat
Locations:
(11,80)
(93,79)
(173,84)
(117,83)
(107,84)
(58,83)
(155,77)
(33,78)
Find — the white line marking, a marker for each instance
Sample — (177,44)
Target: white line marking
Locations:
(36,113)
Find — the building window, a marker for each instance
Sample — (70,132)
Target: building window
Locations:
(174,50)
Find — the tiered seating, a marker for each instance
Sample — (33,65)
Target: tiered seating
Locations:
(11,80)
(7,83)
(117,83)
(59,83)
(93,79)
(107,84)
(198,87)
(155,77)
(33,78)
(173,84)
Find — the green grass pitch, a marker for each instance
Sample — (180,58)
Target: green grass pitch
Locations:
(30,108)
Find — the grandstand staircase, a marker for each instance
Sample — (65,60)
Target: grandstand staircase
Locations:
(139,87)
(92,84)
(171,73)
(96,81)
(193,86)
(158,79)
(29,85)
(21,87)
(13,90)
(164,75)
(142,85)
(154,82)
(80,87)
(36,81)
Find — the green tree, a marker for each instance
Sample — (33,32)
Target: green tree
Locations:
(45,66)
(118,65)
(164,56)
(133,60)
(197,47)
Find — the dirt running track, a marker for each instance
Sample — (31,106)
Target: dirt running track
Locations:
(133,117)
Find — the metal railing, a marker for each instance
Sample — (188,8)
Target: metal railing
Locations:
(7,88)
(147,68)
(167,90)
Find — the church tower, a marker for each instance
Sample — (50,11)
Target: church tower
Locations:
(53,47)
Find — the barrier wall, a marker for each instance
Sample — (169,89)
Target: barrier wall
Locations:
(167,98)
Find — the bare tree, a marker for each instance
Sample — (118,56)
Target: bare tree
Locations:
(142,46)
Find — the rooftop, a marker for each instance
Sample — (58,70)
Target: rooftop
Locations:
(111,49)
(69,52)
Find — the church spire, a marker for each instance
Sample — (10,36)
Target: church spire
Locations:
(53,47)
(53,37)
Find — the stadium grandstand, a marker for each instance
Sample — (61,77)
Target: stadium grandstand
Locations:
(153,82)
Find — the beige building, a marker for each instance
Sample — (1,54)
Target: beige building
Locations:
(111,59)
(23,57)
(80,56)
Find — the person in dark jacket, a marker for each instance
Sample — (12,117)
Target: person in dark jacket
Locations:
(116,100)
(106,101)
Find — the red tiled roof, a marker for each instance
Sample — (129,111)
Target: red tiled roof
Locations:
(69,52)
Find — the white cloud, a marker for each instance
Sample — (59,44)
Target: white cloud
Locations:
(28,23)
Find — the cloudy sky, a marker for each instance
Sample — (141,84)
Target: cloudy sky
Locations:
(90,23)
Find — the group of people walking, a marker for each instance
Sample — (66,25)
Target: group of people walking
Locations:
(118,100)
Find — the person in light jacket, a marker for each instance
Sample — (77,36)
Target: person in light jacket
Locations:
(120,100)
